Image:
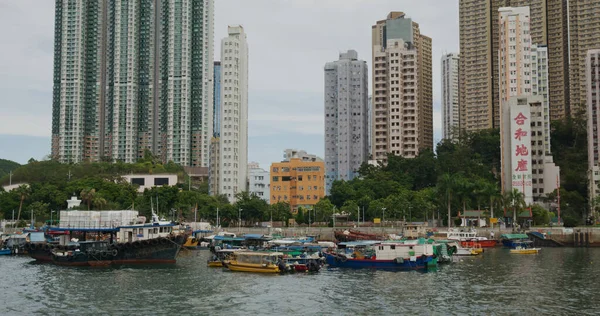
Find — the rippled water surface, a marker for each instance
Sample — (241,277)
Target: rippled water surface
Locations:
(555,282)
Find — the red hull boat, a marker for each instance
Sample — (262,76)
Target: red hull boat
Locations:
(478,243)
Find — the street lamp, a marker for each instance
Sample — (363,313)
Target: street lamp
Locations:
(240,220)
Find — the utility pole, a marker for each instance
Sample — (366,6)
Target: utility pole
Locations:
(240,220)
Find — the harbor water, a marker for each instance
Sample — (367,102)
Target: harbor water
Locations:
(559,281)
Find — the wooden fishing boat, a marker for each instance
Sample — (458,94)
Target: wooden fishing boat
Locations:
(256,262)
(390,256)
(525,251)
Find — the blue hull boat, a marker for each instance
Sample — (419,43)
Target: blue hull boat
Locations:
(5,252)
(421,263)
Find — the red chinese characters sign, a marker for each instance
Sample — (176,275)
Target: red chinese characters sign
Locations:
(520,123)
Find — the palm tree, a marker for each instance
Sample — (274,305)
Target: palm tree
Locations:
(23,191)
(514,199)
(88,196)
(491,191)
(464,190)
(99,202)
(447,186)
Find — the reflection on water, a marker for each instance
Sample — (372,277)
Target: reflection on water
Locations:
(556,281)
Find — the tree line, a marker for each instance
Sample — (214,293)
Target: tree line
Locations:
(462,174)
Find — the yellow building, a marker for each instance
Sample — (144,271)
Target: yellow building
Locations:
(300,182)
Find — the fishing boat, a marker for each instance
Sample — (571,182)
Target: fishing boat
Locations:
(257,262)
(525,251)
(384,255)
(191,243)
(157,242)
(355,235)
(515,240)
(469,238)
(216,261)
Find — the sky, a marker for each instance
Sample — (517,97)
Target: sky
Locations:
(289,43)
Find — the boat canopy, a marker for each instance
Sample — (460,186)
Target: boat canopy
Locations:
(256,236)
(514,236)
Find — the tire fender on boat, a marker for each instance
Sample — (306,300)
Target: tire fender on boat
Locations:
(115,252)
(399,260)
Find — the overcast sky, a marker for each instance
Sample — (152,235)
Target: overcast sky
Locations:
(289,43)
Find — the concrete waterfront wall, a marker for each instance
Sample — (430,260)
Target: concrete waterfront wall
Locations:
(565,236)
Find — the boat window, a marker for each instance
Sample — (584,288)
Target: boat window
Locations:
(141,232)
(156,230)
(393,247)
(411,247)
(380,247)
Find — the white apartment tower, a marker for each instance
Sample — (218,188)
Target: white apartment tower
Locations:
(592,72)
(259,182)
(346,117)
(450,106)
(233,142)
(527,163)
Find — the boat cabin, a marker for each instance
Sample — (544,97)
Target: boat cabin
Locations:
(258,257)
(391,251)
(143,232)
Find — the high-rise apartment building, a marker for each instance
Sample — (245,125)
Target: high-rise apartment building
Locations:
(450,105)
(233,142)
(584,35)
(402,103)
(298,180)
(527,163)
(479,64)
(259,181)
(592,75)
(217,100)
(514,53)
(131,76)
(346,117)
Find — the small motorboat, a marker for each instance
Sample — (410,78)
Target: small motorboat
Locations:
(525,251)
(5,252)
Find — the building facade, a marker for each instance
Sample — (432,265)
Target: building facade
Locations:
(527,163)
(402,102)
(131,76)
(346,117)
(479,63)
(217,100)
(526,166)
(233,141)
(592,65)
(584,34)
(450,105)
(299,181)
(259,182)
(214,187)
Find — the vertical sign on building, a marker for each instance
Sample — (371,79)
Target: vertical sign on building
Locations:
(520,117)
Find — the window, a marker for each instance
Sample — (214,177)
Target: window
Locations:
(138,181)
(275,179)
(161,181)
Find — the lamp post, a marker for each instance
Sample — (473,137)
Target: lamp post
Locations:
(240,220)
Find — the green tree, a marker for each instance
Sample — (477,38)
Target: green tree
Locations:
(300,216)
(324,210)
